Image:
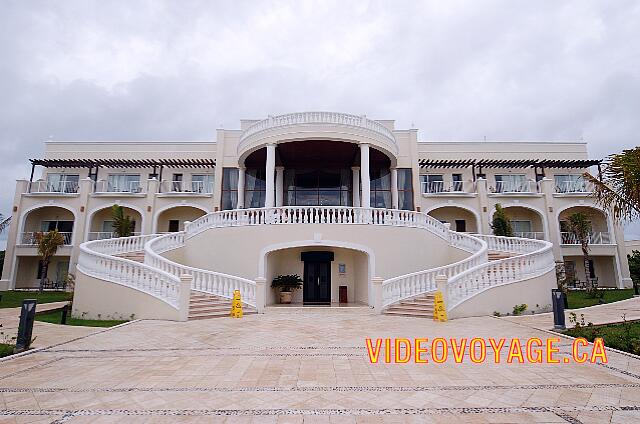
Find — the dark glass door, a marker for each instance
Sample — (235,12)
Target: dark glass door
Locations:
(317,283)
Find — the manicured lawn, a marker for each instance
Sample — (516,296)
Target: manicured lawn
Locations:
(56,317)
(579,299)
(13,299)
(618,336)
(6,349)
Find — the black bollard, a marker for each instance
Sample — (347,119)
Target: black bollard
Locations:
(557,301)
(25,328)
(65,311)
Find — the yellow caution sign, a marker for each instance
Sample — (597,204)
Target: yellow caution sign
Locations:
(236,305)
(439,310)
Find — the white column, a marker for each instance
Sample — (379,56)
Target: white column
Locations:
(269,175)
(184,296)
(394,188)
(364,175)
(241,172)
(356,186)
(261,294)
(279,185)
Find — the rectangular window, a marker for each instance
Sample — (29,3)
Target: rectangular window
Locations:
(570,184)
(62,183)
(202,183)
(310,187)
(255,185)
(123,183)
(176,183)
(405,189)
(456,182)
(62,226)
(461,225)
(521,228)
(511,183)
(380,188)
(174,225)
(432,183)
(229,188)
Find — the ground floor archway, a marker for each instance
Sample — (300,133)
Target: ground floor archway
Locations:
(345,267)
(461,219)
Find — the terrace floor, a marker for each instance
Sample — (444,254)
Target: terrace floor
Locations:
(295,365)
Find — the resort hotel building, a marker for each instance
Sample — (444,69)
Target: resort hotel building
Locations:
(364,212)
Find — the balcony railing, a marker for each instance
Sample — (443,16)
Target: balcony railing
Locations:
(536,235)
(29,238)
(567,187)
(182,187)
(599,237)
(441,187)
(511,187)
(61,187)
(103,235)
(133,187)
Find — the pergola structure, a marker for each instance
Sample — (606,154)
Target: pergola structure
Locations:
(94,164)
(538,165)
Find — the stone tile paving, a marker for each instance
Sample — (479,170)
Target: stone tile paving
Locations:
(299,365)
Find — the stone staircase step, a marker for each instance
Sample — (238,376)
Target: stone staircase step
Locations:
(417,314)
(205,306)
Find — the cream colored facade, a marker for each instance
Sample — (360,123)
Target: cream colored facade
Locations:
(456,182)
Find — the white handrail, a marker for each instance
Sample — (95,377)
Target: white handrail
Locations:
(317,215)
(96,260)
(207,281)
(411,285)
(532,258)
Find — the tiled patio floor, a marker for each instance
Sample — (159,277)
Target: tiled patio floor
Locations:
(304,365)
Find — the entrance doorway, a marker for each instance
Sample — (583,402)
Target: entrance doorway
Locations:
(316,288)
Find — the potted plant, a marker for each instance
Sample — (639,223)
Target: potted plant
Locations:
(287,284)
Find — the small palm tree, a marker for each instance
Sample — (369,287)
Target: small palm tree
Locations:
(580,227)
(500,223)
(48,244)
(122,224)
(619,188)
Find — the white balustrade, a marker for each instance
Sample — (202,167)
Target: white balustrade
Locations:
(573,186)
(212,282)
(96,260)
(598,237)
(316,118)
(58,187)
(131,187)
(316,215)
(441,187)
(514,187)
(532,258)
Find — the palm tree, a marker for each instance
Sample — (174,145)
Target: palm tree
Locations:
(500,223)
(4,223)
(122,225)
(48,244)
(580,227)
(618,189)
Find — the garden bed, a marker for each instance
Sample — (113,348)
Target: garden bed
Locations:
(55,317)
(14,298)
(623,336)
(580,298)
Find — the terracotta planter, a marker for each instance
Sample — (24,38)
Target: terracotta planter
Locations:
(285,297)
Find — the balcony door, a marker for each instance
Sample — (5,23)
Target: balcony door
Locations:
(317,278)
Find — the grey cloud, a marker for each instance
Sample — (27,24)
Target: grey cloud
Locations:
(177,70)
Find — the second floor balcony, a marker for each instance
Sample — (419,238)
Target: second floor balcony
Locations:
(186,188)
(118,187)
(447,187)
(599,237)
(30,238)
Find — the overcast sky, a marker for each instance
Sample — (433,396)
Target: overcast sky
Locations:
(177,70)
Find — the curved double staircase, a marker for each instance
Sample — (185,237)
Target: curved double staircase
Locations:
(140,262)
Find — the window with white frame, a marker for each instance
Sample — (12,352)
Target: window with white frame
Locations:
(432,183)
(521,227)
(202,183)
(511,183)
(124,183)
(570,184)
(62,183)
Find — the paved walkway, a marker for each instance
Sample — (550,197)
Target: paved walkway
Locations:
(304,365)
(45,334)
(599,314)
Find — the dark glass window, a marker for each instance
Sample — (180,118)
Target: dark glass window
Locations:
(405,189)
(380,188)
(229,188)
(310,187)
(254,188)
